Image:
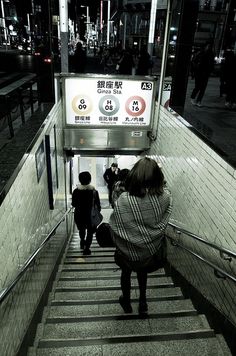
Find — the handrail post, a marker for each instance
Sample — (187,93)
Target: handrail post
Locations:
(226,258)
(21,105)
(9,118)
(31,97)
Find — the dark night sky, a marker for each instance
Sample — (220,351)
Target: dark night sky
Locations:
(24,6)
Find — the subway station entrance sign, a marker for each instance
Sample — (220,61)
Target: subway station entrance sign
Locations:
(109,101)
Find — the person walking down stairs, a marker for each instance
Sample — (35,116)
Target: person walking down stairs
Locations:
(138,222)
(82,200)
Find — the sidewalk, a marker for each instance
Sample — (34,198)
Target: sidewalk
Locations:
(213,120)
(13,151)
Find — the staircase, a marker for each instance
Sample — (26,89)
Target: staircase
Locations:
(83,316)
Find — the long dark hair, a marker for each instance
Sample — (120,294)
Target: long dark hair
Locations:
(122,175)
(145,177)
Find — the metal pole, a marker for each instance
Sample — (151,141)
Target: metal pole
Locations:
(88,24)
(64,34)
(29,27)
(4,24)
(163,67)
(124,29)
(101,21)
(152,26)
(108,21)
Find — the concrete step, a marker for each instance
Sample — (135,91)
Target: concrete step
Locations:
(89,259)
(110,326)
(76,242)
(89,264)
(108,272)
(111,293)
(94,252)
(68,276)
(187,344)
(160,306)
(78,282)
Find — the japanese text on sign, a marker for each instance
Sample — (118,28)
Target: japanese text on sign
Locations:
(93,101)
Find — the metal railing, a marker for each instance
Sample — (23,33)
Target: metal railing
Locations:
(220,273)
(5,292)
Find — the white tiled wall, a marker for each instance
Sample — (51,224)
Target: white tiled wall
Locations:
(204,194)
(25,219)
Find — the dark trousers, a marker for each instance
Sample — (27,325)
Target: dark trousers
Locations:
(230,92)
(125,282)
(110,194)
(200,87)
(86,238)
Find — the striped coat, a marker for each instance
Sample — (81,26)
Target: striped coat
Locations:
(139,223)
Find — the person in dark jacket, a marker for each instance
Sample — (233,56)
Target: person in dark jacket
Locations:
(126,63)
(111,176)
(119,186)
(138,223)
(228,79)
(79,59)
(144,62)
(82,201)
(203,64)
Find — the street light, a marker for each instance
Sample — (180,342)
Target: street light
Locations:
(108,21)
(87,23)
(108,18)
(4,24)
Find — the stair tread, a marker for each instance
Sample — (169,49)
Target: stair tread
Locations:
(109,328)
(101,309)
(109,282)
(90,259)
(194,347)
(111,294)
(93,273)
(116,285)
(68,277)
(118,316)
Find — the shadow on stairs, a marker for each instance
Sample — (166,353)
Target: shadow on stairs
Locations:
(83,316)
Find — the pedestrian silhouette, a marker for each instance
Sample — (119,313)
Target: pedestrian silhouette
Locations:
(111,176)
(119,186)
(138,223)
(228,78)
(126,63)
(144,62)
(79,59)
(203,64)
(82,200)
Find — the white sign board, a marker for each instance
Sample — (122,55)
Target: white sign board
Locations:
(108,101)
(165,98)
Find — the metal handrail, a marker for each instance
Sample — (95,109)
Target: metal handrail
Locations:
(5,292)
(222,250)
(221,272)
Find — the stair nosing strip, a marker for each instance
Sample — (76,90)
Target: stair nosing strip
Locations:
(89,269)
(88,262)
(109,288)
(89,256)
(101,269)
(57,343)
(57,302)
(106,317)
(105,278)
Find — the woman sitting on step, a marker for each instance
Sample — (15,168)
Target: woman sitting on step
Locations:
(138,222)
